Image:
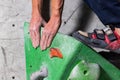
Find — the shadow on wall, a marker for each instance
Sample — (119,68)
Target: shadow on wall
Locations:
(46,10)
(85,17)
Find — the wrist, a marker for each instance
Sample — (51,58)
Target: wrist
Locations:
(56,14)
(36,12)
(36,18)
(56,19)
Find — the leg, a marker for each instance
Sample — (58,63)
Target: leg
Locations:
(108,11)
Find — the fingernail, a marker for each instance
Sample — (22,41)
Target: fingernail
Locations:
(47,45)
(41,48)
(34,46)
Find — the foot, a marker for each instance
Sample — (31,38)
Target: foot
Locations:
(104,38)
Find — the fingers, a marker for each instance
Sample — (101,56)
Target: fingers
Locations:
(34,30)
(45,40)
(49,40)
(49,31)
(34,33)
(32,38)
(35,37)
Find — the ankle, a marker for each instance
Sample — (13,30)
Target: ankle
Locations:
(117,32)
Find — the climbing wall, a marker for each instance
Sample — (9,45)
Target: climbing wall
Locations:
(66,59)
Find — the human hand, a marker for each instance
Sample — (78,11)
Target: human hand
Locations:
(34,28)
(49,32)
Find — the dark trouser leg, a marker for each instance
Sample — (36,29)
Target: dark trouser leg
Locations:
(108,11)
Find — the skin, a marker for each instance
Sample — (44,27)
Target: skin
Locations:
(50,27)
(117,30)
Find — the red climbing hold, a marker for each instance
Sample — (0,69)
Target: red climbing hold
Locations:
(55,52)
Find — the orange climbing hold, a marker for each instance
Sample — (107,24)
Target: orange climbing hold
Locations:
(55,52)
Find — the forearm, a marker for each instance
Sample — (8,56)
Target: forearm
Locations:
(36,7)
(56,7)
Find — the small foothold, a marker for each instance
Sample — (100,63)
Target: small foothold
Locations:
(55,52)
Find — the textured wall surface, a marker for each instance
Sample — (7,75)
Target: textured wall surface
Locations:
(13,14)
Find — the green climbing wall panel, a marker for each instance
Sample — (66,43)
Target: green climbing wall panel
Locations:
(79,62)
